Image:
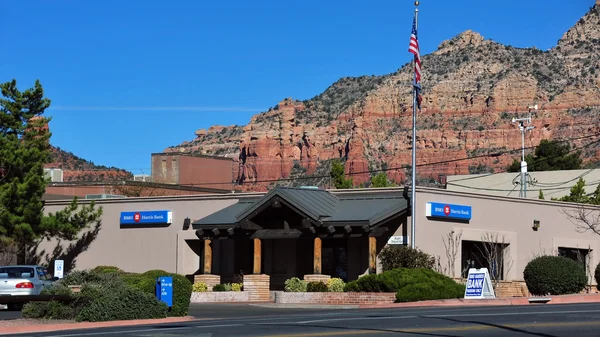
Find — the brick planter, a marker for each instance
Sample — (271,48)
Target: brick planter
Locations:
(209,280)
(257,287)
(219,296)
(333,298)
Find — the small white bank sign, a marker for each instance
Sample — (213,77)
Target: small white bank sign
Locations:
(479,284)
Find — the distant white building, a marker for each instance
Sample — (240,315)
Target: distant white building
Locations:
(553,184)
(55,174)
(142,177)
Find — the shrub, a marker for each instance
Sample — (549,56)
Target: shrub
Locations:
(554,275)
(409,284)
(107,270)
(50,309)
(123,303)
(316,287)
(237,286)
(182,288)
(335,285)
(199,287)
(425,284)
(295,285)
(393,257)
(219,287)
(597,276)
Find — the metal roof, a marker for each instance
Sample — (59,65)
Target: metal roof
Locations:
(371,210)
(225,216)
(314,203)
(318,204)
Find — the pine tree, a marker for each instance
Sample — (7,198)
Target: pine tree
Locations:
(339,179)
(24,149)
(541,195)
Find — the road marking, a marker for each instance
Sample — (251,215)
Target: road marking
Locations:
(450,315)
(441,329)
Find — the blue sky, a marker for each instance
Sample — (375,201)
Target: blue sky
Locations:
(128,78)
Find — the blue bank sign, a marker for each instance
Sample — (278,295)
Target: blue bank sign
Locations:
(440,210)
(146,218)
(164,290)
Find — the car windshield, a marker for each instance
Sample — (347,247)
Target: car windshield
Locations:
(16,272)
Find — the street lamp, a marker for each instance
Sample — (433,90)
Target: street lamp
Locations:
(523,128)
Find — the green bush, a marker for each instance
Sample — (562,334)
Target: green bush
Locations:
(335,285)
(123,304)
(107,270)
(295,285)
(50,309)
(409,284)
(199,287)
(425,284)
(182,288)
(316,287)
(554,275)
(219,287)
(397,256)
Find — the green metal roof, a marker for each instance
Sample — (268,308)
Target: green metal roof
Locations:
(314,203)
(325,206)
(225,216)
(369,210)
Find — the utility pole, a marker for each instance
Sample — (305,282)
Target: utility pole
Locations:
(523,128)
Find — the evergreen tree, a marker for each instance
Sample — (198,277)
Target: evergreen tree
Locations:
(577,194)
(381,180)
(338,175)
(24,149)
(541,195)
(550,155)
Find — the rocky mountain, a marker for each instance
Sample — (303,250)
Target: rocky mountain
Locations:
(78,169)
(472,88)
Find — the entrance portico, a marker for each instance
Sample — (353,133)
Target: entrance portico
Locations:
(304,233)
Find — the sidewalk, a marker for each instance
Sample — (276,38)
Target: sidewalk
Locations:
(33,326)
(561,299)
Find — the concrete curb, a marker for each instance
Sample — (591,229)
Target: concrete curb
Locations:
(306,306)
(562,299)
(89,325)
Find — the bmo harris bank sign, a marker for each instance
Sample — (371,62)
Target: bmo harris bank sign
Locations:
(448,211)
(147,218)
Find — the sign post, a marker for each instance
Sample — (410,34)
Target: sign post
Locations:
(479,284)
(59,266)
(164,290)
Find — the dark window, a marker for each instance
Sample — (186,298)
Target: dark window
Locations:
(477,254)
(575,254)
(16,272)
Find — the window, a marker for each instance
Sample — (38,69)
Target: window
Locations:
(16,272)
(576,254)
(477,254)
(44,275)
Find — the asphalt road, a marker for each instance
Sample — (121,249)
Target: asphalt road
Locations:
(246,320)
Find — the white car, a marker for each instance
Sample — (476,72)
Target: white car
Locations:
(22,281)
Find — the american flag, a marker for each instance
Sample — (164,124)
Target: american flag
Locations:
(413,48)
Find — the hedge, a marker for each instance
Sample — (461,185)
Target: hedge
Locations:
(109,294)
(182,288)
(417,284)
(554,275)
(394,257)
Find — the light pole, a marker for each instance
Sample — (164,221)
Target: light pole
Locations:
(523,128)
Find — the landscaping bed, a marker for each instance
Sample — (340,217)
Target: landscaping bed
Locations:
(108,294)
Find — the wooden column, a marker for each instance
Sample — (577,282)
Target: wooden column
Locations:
(257,256)
(372,255)
(317,257)
(207,257)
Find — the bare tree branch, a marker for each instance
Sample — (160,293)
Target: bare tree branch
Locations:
(452,242)
(495,251)
(586,219)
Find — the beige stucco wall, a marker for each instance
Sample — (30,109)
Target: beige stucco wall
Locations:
(141,249)
(511,218)
(172,248)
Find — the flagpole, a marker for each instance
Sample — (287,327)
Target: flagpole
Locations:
(413,204)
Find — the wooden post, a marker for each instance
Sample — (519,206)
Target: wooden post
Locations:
(372,255)
(257,256)
(317,257)
(207,257)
